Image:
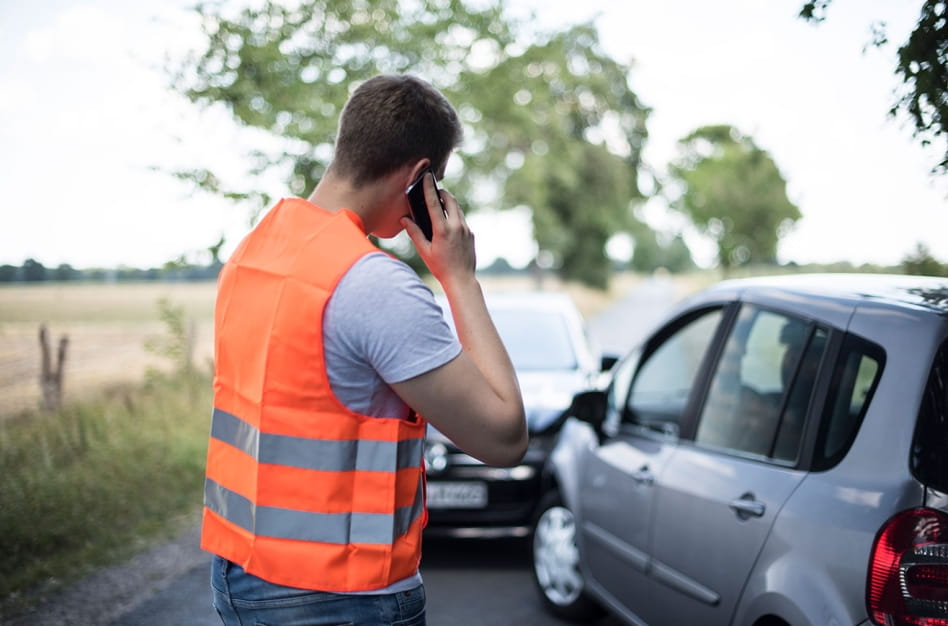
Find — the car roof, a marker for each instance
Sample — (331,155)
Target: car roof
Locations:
(891,290)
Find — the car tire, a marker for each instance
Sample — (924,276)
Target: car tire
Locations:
(556,570)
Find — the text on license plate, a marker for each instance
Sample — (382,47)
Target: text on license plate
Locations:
(457,495)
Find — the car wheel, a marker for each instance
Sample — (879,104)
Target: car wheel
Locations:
(556,562)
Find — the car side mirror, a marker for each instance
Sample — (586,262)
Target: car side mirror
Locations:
(590,407)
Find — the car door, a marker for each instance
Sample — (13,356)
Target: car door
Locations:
(647,399)
(717,498)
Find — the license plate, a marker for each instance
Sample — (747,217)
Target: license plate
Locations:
(457,495)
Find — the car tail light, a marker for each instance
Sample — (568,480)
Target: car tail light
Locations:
(908,570)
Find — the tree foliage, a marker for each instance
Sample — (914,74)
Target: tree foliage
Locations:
(651,254)
(528,101)
(579,202)
(922,67)
(734,193)
(921,262)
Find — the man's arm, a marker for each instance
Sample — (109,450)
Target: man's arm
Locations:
(474,399)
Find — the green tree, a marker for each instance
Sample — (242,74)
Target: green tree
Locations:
(65,271)
(922,67)
(733,192)
(647,252)
(579,199)
(33,271)
(922,263)
(675,256)
(526,99)
(653,250)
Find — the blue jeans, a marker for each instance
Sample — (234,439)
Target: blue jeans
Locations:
(242,599)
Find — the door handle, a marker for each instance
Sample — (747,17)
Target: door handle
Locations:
(644,476)
(747,506)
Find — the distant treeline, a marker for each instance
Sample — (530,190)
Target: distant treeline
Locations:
(920,261)
(32,271)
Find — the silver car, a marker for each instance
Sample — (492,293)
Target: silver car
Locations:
(775,453)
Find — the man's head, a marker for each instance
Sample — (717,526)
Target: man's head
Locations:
(391,121)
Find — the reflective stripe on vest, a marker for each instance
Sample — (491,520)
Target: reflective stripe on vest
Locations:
(316,454)
(341,528)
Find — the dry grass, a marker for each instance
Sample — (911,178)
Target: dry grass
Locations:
(107,326)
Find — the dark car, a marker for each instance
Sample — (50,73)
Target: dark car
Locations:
(776,453)
(546,338)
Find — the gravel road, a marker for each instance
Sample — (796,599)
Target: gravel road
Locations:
(106,595)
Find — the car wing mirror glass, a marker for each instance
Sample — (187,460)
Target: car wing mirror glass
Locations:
(590,407)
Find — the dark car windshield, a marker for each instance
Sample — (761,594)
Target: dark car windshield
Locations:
(536,340)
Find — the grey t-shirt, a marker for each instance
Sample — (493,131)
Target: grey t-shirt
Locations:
(381,326)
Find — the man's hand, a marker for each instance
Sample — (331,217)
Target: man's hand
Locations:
(450,254)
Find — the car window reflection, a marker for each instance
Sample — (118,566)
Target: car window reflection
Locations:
(762,384)
(663,383)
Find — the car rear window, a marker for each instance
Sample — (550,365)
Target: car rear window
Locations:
(855,378)
(929,459)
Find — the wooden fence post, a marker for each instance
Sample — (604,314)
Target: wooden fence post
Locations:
(51,377)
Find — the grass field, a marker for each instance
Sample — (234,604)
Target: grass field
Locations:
(108,326)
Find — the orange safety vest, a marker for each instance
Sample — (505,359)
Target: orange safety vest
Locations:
(301,491)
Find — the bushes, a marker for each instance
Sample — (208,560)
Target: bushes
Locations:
(92,482)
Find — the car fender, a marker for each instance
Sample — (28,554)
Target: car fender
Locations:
(807,595)
(574,440)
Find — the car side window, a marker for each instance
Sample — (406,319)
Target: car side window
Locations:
(800,375)
(762,384)
(663,382)
(855,376)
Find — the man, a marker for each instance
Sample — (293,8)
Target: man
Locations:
(330,356)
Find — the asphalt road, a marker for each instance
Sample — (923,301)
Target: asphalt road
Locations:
(622,326)
(468,583)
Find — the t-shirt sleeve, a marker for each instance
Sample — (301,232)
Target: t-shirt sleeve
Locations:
(382,313)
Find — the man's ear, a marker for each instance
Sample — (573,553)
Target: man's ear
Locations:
(420,166)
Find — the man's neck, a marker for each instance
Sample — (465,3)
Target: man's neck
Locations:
(334,193)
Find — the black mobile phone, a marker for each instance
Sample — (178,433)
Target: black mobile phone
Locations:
(416,201)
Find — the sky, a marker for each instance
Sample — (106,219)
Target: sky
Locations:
(89,128)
